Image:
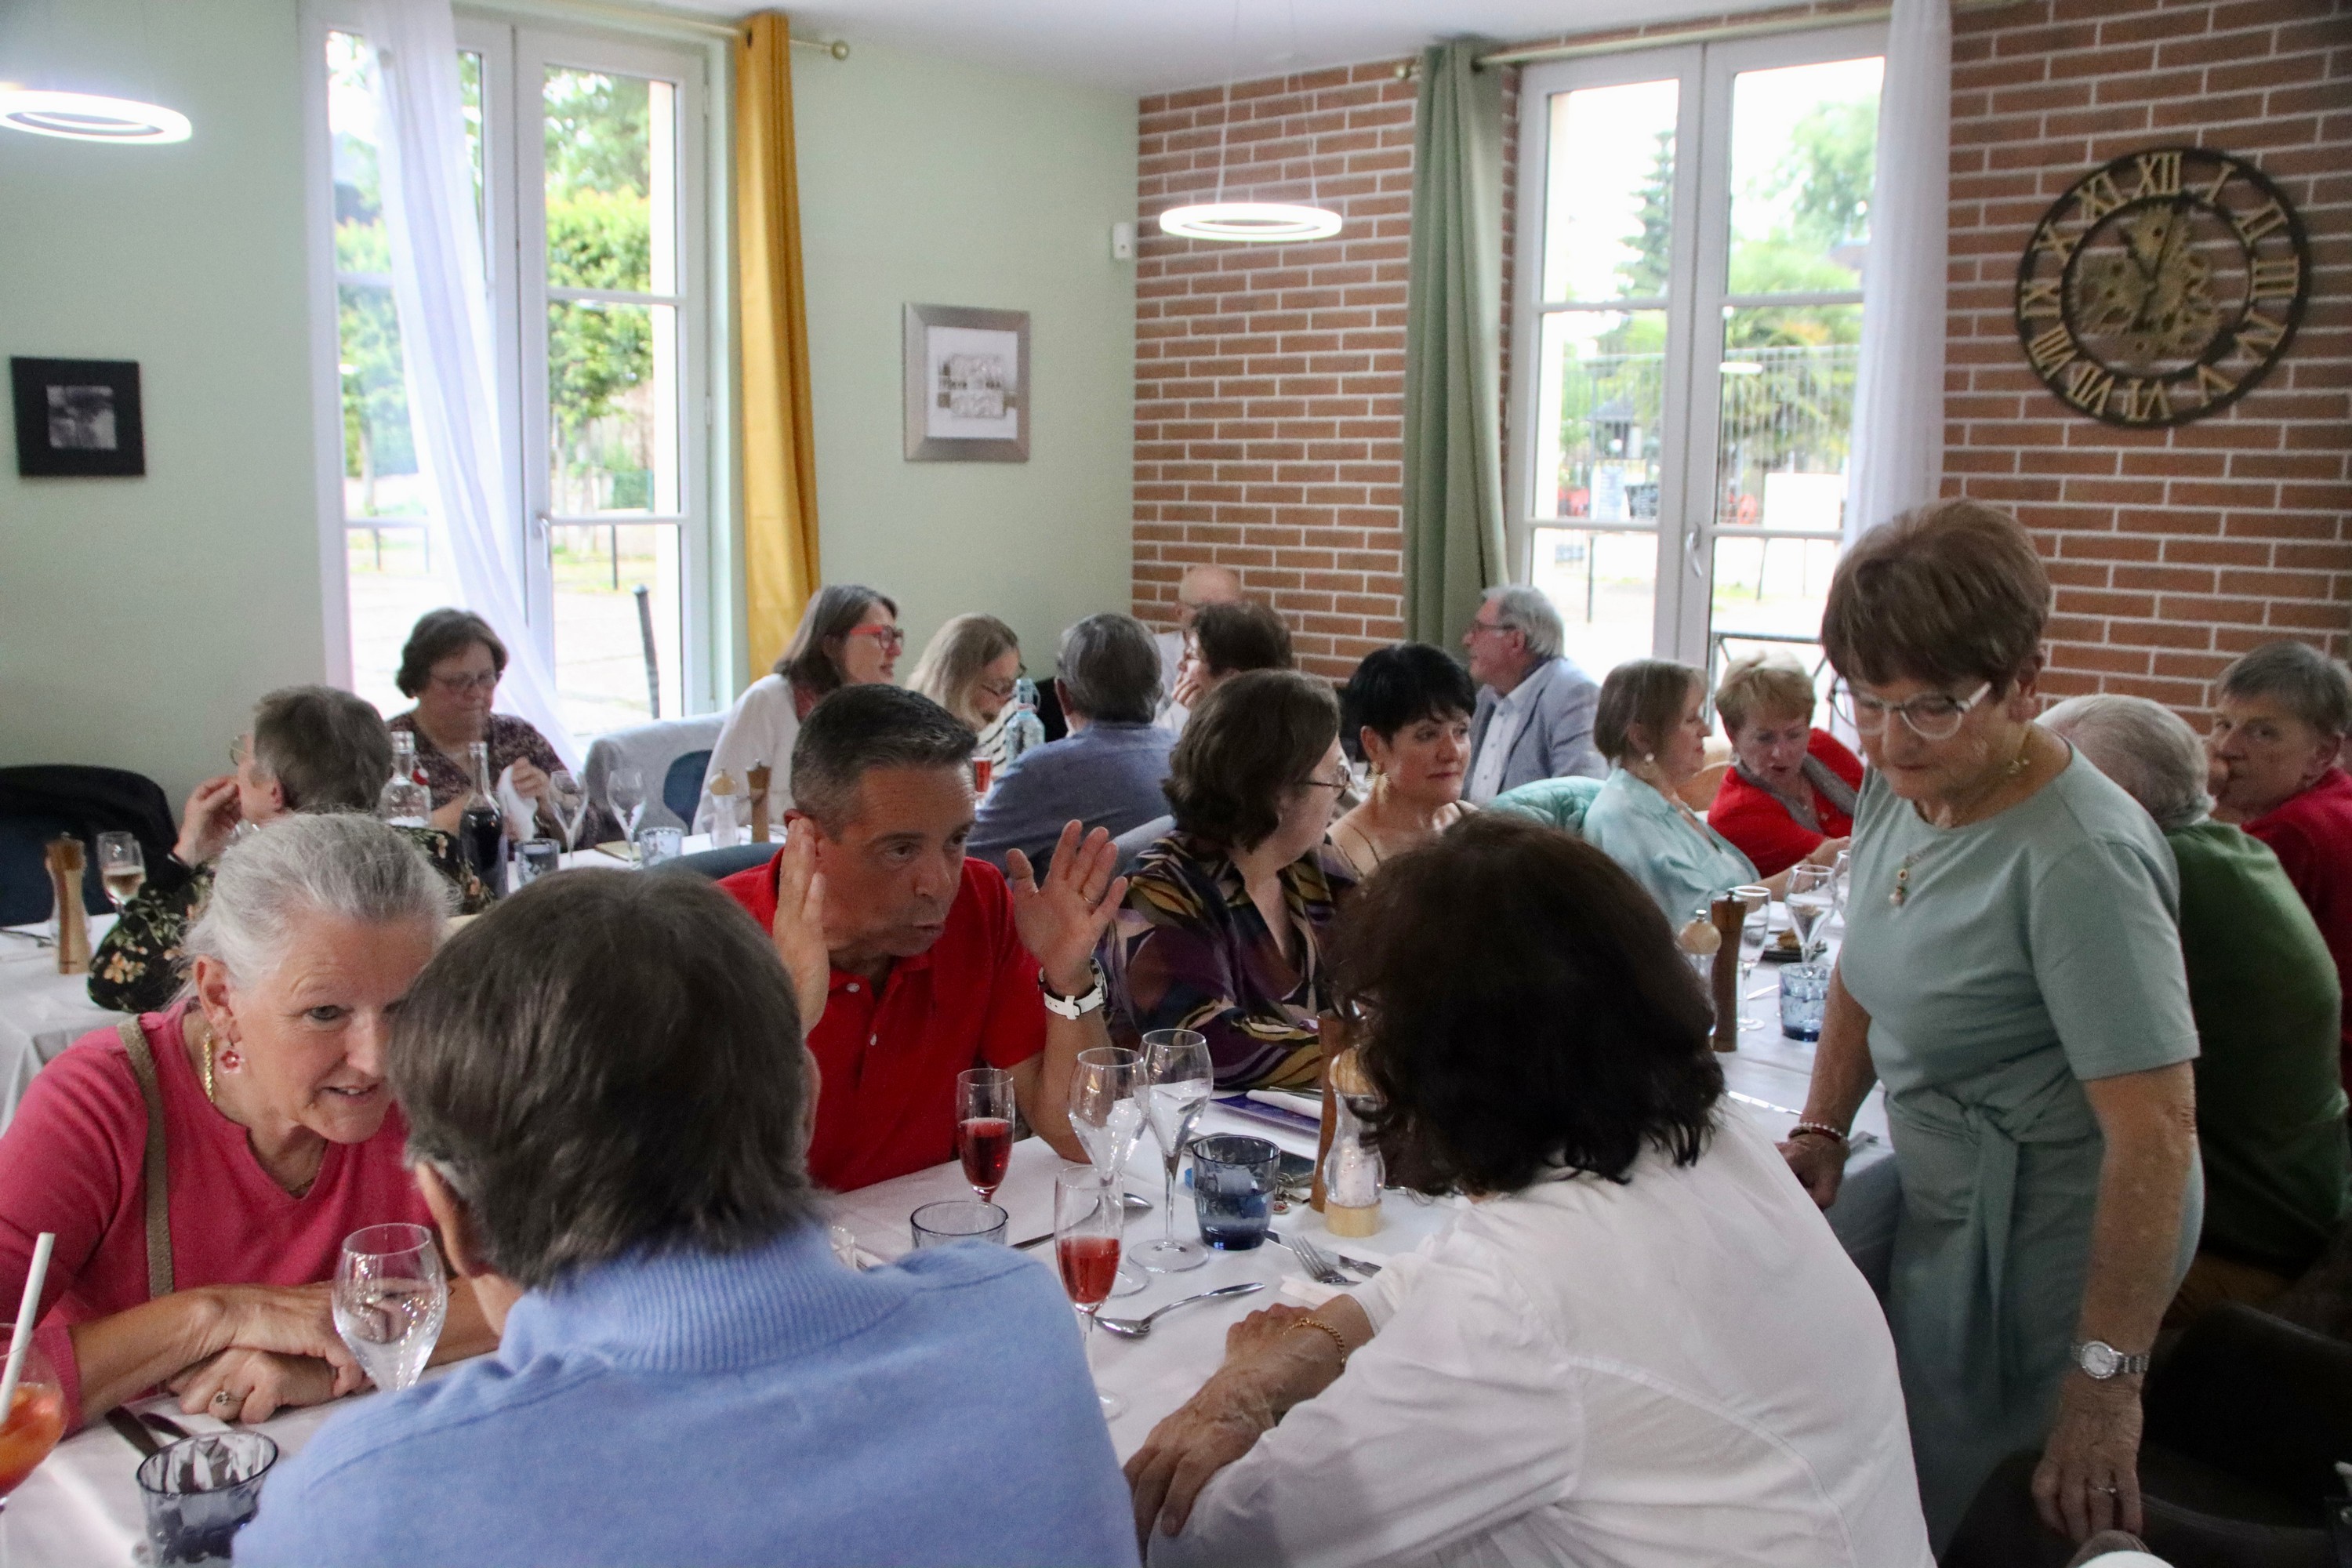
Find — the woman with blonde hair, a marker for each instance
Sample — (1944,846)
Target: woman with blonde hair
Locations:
(1792,787)
(972,668)
(849,635)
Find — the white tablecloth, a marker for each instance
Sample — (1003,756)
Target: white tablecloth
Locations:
(41,1011)
(81,1506)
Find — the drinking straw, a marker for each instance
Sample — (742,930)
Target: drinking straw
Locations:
(21,1340)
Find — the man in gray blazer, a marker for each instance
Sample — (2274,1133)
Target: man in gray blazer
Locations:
(1535,710)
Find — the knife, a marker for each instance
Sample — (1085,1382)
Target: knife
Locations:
(166,1426)
(133,1431)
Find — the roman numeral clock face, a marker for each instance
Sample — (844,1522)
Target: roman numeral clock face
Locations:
(2160,288)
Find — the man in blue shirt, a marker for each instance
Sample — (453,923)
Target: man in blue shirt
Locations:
(607,1099)
(1108,773)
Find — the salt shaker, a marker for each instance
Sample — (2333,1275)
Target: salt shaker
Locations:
(1352,1172)
(725,831)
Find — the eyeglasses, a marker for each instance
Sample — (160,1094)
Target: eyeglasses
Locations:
(1333,784)
(1932,716)
(1493,627)
(888,636)
(458,685)
(1002,690)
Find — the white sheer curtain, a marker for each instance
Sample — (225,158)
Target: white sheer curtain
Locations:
(444,335)
(1898,405)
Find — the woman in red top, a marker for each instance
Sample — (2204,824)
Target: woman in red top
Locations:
(279,1138)
(1793,787)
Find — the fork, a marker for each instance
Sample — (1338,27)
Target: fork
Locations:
(1313,1258)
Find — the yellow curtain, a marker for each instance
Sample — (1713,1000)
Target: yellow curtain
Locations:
(775,433)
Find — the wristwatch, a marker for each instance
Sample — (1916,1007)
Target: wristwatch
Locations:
(2100,1361)
(1072,1007)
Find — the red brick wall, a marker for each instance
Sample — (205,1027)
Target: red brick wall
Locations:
(2173,550)
(1268,378)
(1268,391)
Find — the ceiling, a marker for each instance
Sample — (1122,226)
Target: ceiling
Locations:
(1149,46)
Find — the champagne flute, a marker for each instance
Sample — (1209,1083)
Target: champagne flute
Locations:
(1108,1120)
(570,800)
(31,1425)
(1088,1216)
(625,792)
(984,1127)
(1810,898)
(1178,1079)
(1754,931)
(391,1300)
(121,866)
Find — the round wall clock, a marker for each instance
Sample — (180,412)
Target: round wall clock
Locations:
(2162,286)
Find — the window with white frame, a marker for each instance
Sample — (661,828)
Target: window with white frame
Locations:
(589,160)
(1687,332)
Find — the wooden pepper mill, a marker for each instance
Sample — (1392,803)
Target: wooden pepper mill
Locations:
(64,858)
(1726,913)
(758,773)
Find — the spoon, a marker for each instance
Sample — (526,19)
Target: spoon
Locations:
(1136,1328)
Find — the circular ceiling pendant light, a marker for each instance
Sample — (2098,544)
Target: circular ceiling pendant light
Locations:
(86,117)
(1258,223)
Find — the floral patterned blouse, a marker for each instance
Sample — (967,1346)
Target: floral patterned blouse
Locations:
(511,739)
(1191,950)
(136,969)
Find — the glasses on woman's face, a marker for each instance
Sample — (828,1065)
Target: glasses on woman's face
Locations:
(460,685)
(1334,785)
(1002,690)
(889,638)
(1931,715)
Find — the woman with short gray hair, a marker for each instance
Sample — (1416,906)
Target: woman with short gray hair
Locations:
(2269,1104)
(202,1165)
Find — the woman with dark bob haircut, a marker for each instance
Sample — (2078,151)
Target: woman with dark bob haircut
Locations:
(2012,972)
(1638,1342)
(1413,703)
(1224,916)
(451,666)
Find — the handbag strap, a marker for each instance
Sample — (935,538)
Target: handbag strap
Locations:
(153,1168)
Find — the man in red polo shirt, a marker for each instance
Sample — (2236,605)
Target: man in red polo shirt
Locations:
(937,963)
(2278,737)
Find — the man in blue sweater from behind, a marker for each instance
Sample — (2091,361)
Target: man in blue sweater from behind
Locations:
(608,1103)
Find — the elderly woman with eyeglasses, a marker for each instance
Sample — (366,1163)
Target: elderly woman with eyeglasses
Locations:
(2012,974)
(201,1165)
(849,635)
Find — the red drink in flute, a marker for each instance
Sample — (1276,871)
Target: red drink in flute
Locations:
(1089,1265)
(1087,1218)
(985,1142)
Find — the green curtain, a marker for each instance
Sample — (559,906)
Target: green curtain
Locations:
(1453,538)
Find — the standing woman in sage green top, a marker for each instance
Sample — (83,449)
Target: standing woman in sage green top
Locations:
(2012,974)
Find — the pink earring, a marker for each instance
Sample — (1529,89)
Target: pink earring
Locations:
(230,1060)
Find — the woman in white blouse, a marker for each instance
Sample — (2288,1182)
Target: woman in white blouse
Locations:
(849,635)
(1639,1345)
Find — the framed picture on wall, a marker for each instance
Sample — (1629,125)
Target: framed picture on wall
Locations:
(78,418)
(967,384)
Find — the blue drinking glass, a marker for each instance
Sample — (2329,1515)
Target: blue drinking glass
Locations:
(1804,997)
(1234,1183)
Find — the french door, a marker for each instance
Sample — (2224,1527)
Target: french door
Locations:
(1687,328)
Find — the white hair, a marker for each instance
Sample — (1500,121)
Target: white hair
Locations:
(2144,746)
(1530,610)
(338,864)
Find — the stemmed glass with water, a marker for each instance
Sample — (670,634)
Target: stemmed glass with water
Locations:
(1109,1121)
(1812,895)
(1178,1080)
(568,799)
(391,1300)
(1754,931)
(121,866)
(625,792)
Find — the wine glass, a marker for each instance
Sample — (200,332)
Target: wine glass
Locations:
(625,792)
(1108,1120)
(1754,931)
(984,1127)
(1842,880)
(1178,1080)
(34,1421)
(1087,1219)
(121,866)
(1810,898)
(391,1300)
(569,800)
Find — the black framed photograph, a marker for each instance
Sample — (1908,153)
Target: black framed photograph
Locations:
(78,418)
(967,382)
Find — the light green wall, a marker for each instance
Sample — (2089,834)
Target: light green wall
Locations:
(139,617)
(925,181)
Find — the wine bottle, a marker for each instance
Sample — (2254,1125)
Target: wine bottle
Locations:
(405,801)
(481,831)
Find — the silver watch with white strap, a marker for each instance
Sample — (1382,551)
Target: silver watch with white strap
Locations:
(1072,1007)
(2100,1361)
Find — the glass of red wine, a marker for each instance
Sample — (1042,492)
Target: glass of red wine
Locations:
(984,1127)
(1089,1217)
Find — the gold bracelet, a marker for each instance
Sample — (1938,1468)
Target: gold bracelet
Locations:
(1337,1337)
